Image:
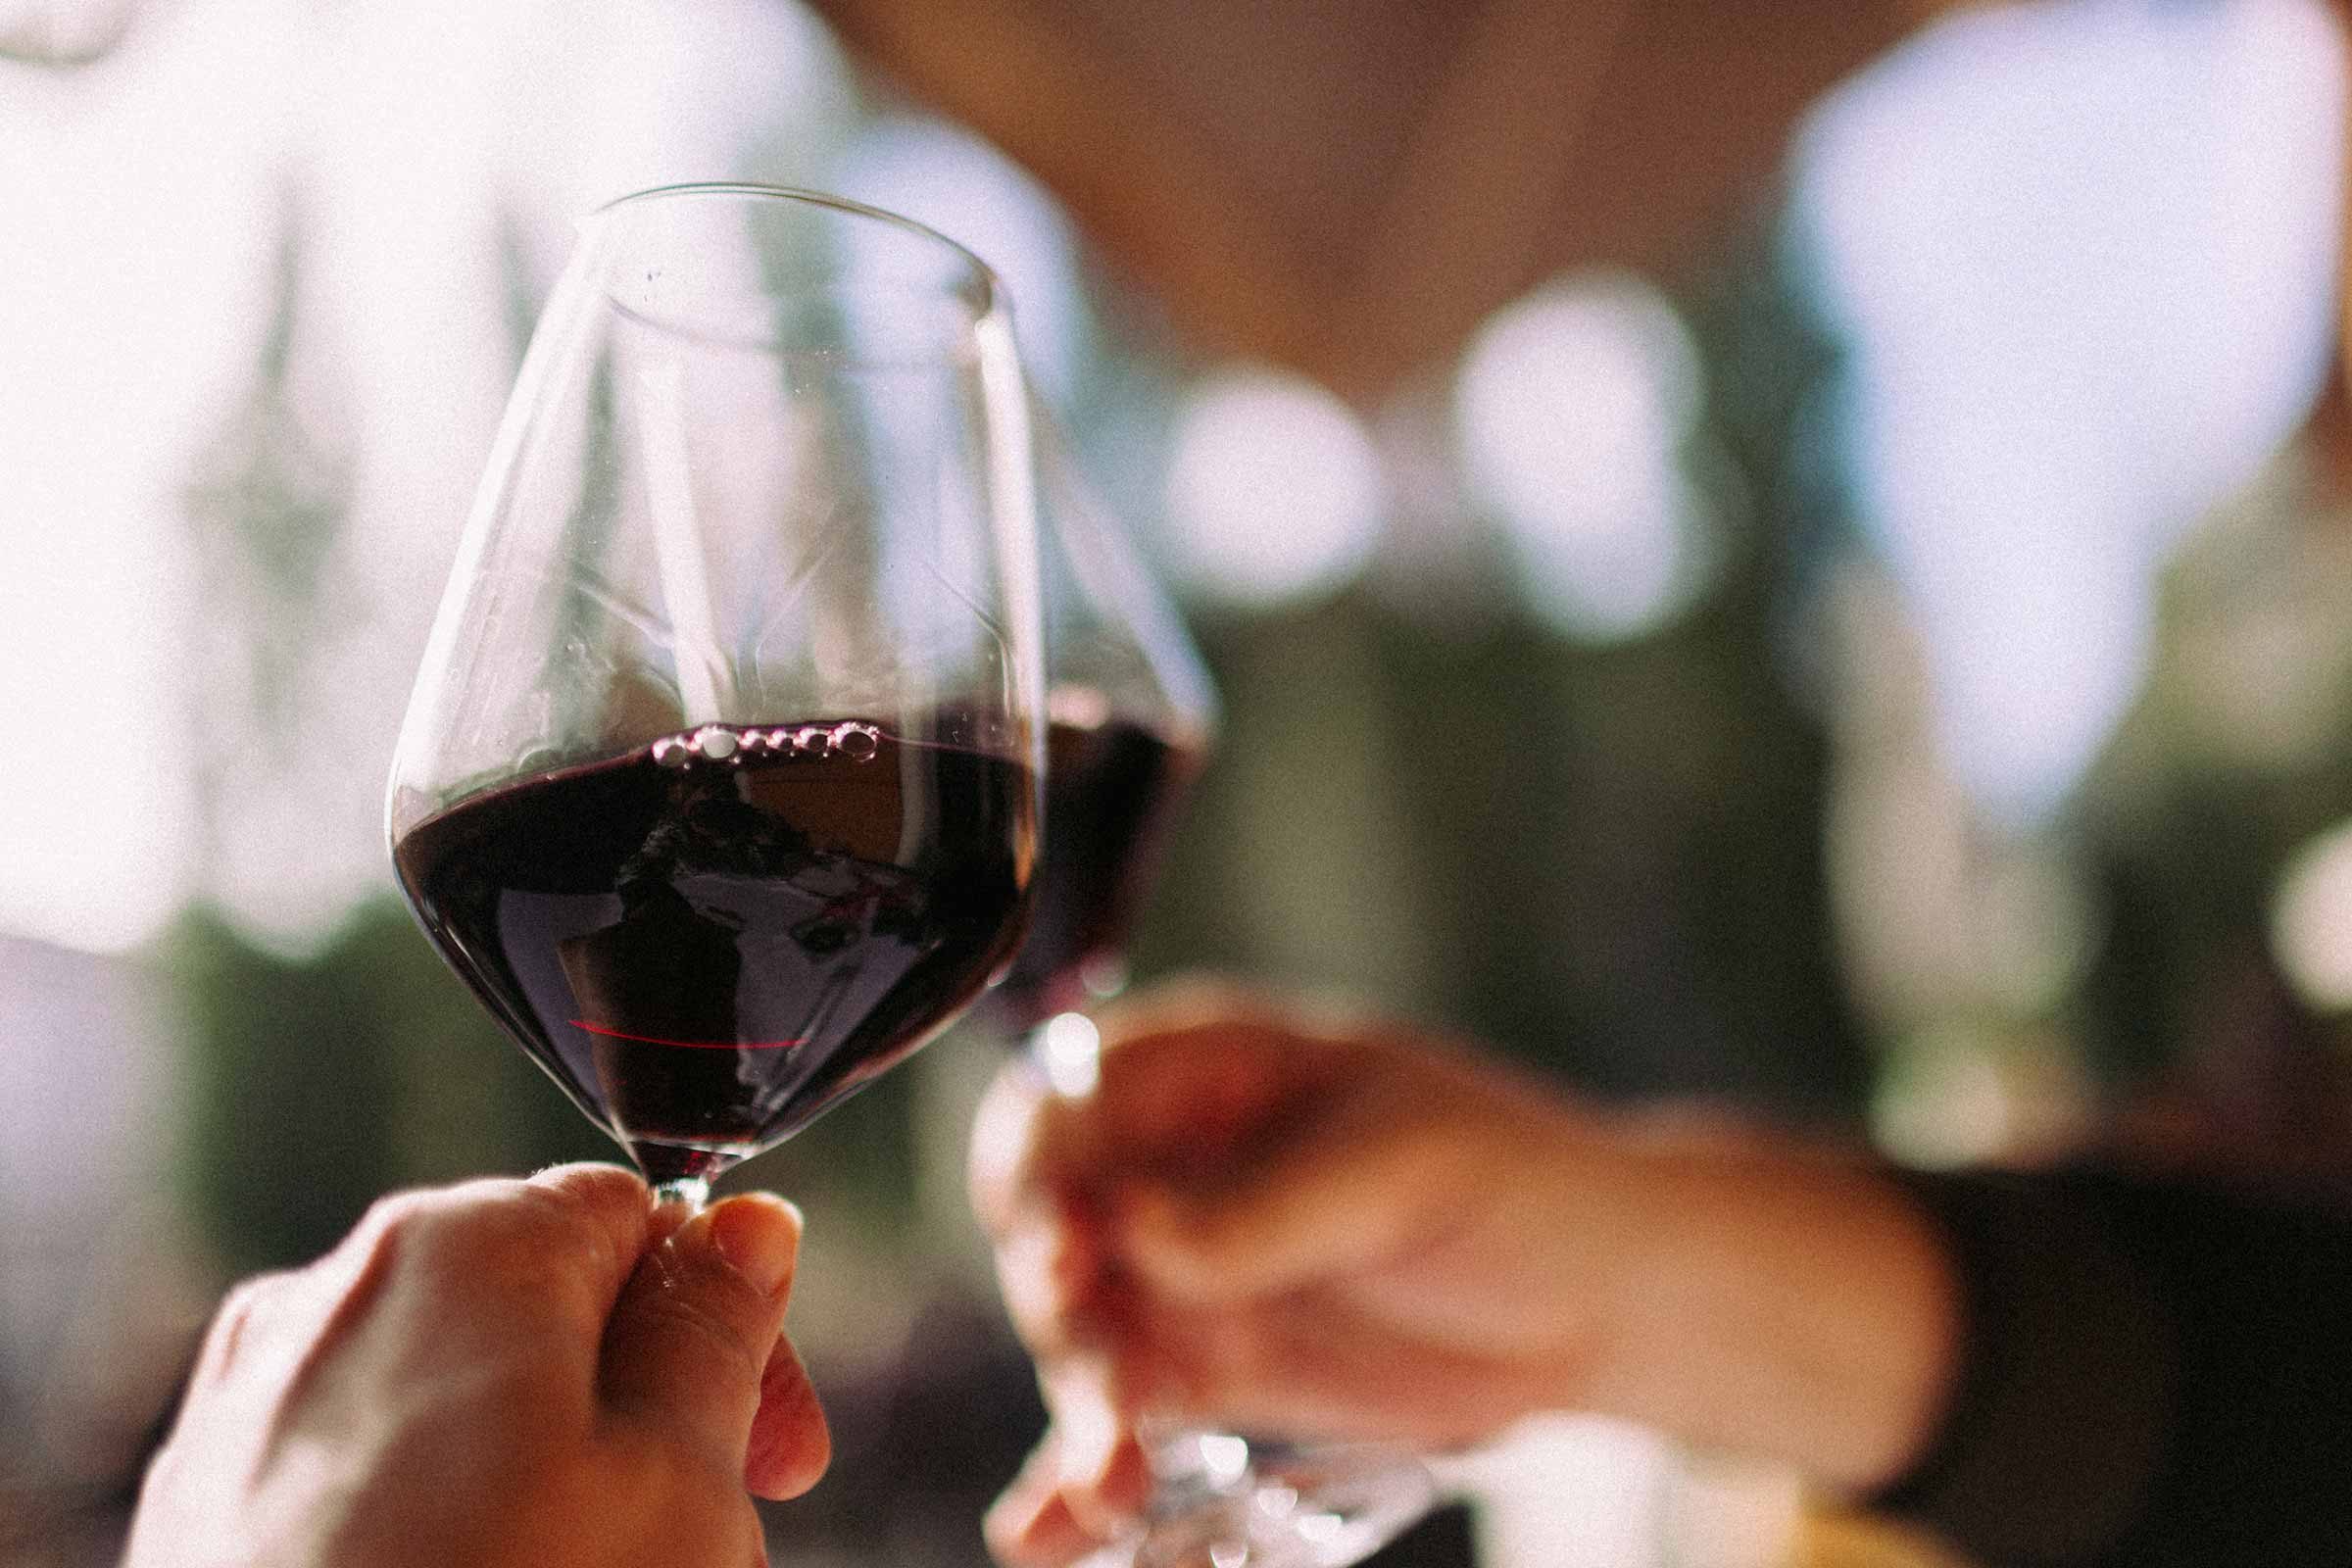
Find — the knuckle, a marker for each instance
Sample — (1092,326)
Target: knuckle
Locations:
(247,1303)
(576,1214)
(403,1210)
(483,1228)
(400,1223)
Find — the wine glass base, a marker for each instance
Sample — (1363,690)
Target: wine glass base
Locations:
(1296,1508)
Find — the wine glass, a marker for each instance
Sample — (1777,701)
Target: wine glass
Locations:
(1130,716)
(720,784)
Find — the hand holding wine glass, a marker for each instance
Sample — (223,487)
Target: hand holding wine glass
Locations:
(719,788)
(1295,1219)
(379,1408)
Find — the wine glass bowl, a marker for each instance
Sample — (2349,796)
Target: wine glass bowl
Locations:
(719,783)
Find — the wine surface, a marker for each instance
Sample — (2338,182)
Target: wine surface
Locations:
(713,938)
(1112,791)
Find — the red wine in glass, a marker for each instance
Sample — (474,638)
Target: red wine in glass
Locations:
(1113,788)
(711,939)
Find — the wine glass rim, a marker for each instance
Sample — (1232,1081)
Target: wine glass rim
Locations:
(990,284)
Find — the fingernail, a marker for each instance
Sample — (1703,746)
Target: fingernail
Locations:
(759,1236)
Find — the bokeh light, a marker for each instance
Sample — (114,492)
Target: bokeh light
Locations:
(1573,410)
(2311,922)
(1274,490)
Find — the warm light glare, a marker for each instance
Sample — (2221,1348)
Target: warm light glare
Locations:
(1945,1101)
(2086,284)
(1274,491)
(136,261)
(426,160)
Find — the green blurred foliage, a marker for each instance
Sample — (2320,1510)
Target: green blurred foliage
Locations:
(315,1083)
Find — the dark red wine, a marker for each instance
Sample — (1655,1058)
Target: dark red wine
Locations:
(1112,789)
(711,939)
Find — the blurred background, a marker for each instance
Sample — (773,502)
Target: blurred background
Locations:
(1795,552)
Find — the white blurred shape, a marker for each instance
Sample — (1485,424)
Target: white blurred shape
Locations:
(425,146)
(600,98)
(2087,282)
(135,264)
(85,1076)
(1224,1458)
(448,148)
(943,175)
(1571,413)
(1274,490)
(2311,920)
(1560,1490)
(1071,1049)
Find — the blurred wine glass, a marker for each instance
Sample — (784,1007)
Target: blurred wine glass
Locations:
(1132,715)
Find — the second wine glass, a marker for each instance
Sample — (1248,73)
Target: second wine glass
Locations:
(1132,717)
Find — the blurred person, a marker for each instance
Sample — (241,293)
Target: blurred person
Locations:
(1283,1219)
(498,1374)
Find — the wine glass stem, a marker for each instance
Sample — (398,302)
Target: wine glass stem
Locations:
(691,1190)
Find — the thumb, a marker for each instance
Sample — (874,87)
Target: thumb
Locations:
(694,1329)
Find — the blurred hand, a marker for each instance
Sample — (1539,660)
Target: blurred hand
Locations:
(506,1373)
(1270,1219)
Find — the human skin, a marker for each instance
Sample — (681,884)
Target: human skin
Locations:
(1293,1219)
(546,1373)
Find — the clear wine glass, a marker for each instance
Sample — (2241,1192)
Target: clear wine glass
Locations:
(1131,715)
(720,781)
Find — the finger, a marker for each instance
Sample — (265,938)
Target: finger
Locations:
(1186,1072)
(1103,1475)
(560,1245)
(1056,1275)
(613,1211)
(1032,1525)
(790,1443)
(690,1338)
(1184,1076)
